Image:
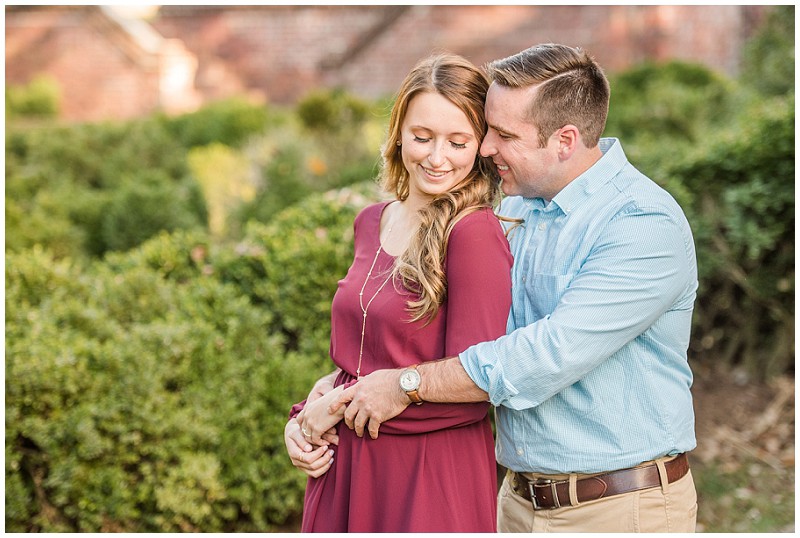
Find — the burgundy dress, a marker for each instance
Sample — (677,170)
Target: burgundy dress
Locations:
(432,468)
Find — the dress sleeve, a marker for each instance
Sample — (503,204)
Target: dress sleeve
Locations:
(478,267)
(296,408)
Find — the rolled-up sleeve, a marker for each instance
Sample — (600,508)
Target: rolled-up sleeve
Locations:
(636,270)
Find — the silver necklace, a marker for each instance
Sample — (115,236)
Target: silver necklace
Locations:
(361,300)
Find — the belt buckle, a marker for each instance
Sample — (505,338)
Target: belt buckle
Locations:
(554,493)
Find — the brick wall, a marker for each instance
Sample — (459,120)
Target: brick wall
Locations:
(283,51)
(278,53)
(100,75)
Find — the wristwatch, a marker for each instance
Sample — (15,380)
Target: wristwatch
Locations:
(409,382)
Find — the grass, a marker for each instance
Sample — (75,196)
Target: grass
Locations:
(749,496)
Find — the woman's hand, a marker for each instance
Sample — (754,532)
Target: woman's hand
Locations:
(316,423)
(313,461)
(322,386)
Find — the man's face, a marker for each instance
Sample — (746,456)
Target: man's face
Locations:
(512,142)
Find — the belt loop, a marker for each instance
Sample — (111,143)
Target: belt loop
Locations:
(573,489)
(662,474)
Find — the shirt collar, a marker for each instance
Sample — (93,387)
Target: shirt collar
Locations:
(600,173)
(579,189)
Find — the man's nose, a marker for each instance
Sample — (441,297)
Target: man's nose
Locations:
(488,147)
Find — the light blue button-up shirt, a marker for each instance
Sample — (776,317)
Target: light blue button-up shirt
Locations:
(592,375)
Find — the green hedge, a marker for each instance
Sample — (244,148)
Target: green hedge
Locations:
(292,265)
(40,98)
(94,188)
(148,392)
(739,197)
(84,190)
(230,121)
(106,186)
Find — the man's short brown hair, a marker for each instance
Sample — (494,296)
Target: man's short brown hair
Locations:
(572,88)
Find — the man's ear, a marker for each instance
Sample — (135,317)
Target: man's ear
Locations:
(568,140)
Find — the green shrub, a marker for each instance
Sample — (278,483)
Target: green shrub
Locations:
(149,203)
(285,180)
(769,57)
(40,98)
(142,404)
(45,222)
(110,186)
(230,122)
(327,111)
(334,141)
(661,111)
(292,265)
(148,392)
(103,186)
(666,101)
(101,155)
(742,213)
(225,177)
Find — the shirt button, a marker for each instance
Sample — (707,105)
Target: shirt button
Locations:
(542,225)
(519,452)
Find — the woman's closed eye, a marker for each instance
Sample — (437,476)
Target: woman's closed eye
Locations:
(456,145)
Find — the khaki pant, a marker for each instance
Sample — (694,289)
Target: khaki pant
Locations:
(670,509)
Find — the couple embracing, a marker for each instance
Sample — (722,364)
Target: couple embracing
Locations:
(567,308)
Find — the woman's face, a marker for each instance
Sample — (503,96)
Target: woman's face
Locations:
(439,145)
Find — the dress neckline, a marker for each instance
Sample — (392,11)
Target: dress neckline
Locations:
(378,234)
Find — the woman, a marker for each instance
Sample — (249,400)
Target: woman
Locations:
(430,277)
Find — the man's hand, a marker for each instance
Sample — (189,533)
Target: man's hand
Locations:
(375,399)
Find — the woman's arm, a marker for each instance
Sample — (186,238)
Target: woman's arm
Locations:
(315,421)
(323,385)
(313,459)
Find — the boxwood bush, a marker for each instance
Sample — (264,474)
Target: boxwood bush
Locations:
(148,392)
(739,197)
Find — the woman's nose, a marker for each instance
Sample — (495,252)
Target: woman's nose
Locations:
(436,157)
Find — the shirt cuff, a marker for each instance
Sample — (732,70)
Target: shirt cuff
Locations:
(486,371)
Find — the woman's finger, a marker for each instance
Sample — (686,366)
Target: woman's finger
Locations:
(307,460)
(321,466)
(331,437)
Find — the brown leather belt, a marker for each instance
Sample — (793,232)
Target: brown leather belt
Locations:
(548,494)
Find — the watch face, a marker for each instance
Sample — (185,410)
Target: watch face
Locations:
(409,380)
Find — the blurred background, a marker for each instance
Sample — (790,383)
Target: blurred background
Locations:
(180,186)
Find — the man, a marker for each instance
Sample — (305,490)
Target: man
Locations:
(591,383)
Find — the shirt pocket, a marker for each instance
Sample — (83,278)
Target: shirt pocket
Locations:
(545,290)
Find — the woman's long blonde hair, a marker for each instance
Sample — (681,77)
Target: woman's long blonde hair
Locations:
(421,267)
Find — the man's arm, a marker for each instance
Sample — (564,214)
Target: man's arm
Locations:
(446,381)
(378,397)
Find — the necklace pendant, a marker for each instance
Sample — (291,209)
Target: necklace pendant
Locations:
(364,309)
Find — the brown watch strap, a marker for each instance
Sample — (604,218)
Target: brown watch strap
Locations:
(414,396)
